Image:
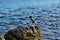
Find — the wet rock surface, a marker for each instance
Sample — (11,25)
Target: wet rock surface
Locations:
(24,33)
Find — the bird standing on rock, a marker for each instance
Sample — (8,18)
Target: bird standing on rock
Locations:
(32,23)
(31,32)
(32,20)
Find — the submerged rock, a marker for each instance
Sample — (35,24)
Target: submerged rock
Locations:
(31,32)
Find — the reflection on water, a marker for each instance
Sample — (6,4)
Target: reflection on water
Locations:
(47,18)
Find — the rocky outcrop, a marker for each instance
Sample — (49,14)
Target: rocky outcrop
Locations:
(1,38)
(31,32)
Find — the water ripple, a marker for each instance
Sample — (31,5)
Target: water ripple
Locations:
(47,18)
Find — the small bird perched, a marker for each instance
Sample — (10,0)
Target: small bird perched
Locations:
(32,20)
(33,23)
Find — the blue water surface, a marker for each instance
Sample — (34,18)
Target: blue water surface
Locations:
(45,12)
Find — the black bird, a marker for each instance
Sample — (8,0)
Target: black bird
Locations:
(32,20)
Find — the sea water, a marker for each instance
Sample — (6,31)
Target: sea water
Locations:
(45,12)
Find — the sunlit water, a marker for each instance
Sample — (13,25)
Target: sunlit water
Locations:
(48,17)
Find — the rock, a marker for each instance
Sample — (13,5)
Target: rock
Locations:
(1,38)
(31,32)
